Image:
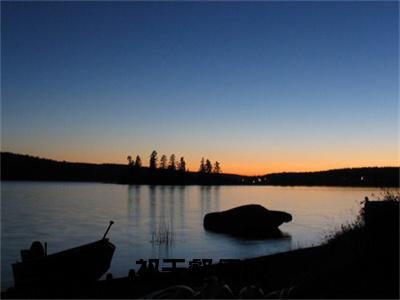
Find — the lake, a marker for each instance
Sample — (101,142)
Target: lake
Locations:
(66,215)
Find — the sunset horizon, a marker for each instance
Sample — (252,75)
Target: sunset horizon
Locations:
(200,149)
(257,87)
(194,167)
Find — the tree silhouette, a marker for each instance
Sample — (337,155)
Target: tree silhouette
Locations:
(208,166)
(153,160)
(172,162)
(130,162)
(138,162)
(202,168)
(163,162)
(182,165)
(217,167)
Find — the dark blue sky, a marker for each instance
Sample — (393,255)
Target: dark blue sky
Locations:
(260,86)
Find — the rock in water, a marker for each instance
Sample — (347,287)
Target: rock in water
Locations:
(247,220)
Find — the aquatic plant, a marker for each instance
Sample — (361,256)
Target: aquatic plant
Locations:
(162,235)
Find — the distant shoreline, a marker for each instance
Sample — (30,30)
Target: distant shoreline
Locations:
(188,185)
(17,167)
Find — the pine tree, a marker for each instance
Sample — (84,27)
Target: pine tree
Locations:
(172,162)
(130,162)
(217,167)
(202,168)
(153,160)
(163,162)
(182,165)
(138,162)
(208,166)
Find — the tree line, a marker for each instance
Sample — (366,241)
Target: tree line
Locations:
(164,163)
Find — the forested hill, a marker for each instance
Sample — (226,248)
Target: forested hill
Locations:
(25,167)
(378,177)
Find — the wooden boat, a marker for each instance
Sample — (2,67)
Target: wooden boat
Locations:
(83,264)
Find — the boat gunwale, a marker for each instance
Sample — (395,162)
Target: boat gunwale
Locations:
(68,251)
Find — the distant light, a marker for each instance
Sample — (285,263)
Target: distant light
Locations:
(362,178)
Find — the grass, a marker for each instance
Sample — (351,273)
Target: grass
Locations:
(162,235)
(348,230)
(353,236)
(388,195)
(363,258)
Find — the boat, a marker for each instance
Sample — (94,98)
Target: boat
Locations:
(79,265)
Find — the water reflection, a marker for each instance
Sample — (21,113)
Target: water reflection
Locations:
(134,208)
(55,212)
(152,207)
(205,199)
(181,204)
(216,197)
(163,200)
(209,199)
(171,203)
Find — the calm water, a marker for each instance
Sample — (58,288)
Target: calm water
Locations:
(69,214)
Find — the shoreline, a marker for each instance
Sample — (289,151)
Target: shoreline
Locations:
(28,168)
(361,261)
(201,185)
(140,285)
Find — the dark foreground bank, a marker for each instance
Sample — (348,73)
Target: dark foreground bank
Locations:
(361,261)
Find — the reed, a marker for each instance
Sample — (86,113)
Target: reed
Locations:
(388,194)
(162,235)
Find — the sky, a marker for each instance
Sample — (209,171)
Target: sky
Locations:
(261,87)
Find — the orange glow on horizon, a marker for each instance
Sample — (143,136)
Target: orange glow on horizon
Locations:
(247,164)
